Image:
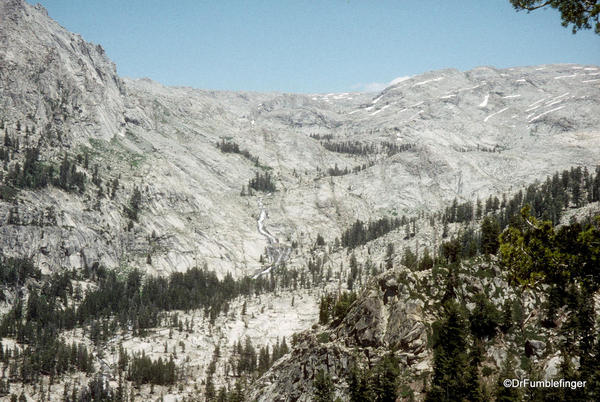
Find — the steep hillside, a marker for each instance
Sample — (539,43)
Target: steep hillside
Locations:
(170,241)
(421,142)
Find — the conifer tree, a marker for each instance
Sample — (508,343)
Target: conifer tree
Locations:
(450,358)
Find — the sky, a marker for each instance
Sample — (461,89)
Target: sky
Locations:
(317,46)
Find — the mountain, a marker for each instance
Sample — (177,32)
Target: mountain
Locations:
(102,173)
(470,134)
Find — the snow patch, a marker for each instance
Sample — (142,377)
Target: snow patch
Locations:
(556,100)
(540,101)
(428,81)
(545,113)
(565,76)
(494,114)
(560,96)
(380,110)
(377,99)
(510,96)
(468,89)
(485,101)
(399,80)
(341,96)
(554,103)
(597,79)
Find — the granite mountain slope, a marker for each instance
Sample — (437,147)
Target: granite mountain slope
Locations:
(464,135)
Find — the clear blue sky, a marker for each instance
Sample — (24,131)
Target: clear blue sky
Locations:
(318,45)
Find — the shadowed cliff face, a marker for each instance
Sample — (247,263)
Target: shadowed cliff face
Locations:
(460,135)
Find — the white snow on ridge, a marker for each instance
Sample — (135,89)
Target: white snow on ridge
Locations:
(556,100)
(354,111)
(494,114)
(399,80)
(521,80)
(560,96)
(377,99)
(590,69)
(565,76)
(468,89)
(535,103)
(428,81)
(597,79)
(510,96)
(341,96)
(554,103)
(485,101)
(380,110)
(448,96)
(417,104)
(545,113)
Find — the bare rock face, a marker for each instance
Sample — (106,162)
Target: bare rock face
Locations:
(384,317)
(534,347)
(465,135)
(54,79)
(292,377)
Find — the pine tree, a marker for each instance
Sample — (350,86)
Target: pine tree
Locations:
(490,230)
(450,359)
(323,386)
(507,394)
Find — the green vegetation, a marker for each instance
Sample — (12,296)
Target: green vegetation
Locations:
(262,182)
(14,272)
(230,147)
(131,302)
(360,233)
(377,383)
(348,147)
(133,209)
(25,170)
(583,14)
(143,370)
(336,171)
(333,308)
(323,387)
(536,251)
